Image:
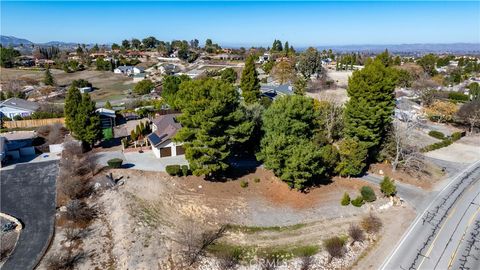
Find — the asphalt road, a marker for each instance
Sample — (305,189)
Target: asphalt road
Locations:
(446,234)
(27,192)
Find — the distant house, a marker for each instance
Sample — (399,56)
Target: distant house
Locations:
(44,62)
(164,129)
(128,70)
(264,58)
(16,106)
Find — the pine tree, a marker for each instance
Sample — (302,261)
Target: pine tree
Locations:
(368,113)
(108,105)
(72,101)
(286,48)
(48,79)
(81,118)
(212,124)
(249,82)
(87,122)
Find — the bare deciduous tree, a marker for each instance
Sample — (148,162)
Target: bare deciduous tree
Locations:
(470,114)
(194,240)
(405,152)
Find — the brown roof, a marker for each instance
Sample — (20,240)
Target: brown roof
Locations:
(167,127)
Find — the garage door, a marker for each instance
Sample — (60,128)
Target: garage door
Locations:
(180,150)
(165,152)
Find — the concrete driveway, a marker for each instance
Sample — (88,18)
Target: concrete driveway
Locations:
(147,161)
(27,192)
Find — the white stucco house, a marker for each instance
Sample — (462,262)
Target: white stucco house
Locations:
(164,128)
(16,106)
(128,70)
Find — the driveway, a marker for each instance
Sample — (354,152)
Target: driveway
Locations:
(147,161)
(27,192)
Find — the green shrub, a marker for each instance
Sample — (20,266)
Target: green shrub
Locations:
(256,180)
(437,134)
(368,194)
(346,199)
(458,96)
(173,170)
(115,163)
(387,186)
(456,136)
(185,170)
(437,145)
(358,201)
(243,184)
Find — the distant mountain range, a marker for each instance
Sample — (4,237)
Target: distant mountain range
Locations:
(473,48)
(15,42)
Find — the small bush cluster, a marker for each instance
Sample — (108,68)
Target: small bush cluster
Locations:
(177,170)
(345,199)
(387,186)
(243,184)
(256,180)
(358,202)
(368,194)
(437,134)
(115,163)
(456,136)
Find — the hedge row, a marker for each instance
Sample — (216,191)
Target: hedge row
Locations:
(437,134)
(177,170)
(446,142)
(458,96)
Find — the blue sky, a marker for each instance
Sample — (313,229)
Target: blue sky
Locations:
(245,23)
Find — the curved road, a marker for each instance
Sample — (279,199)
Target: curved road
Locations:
(27,192)
(447,234)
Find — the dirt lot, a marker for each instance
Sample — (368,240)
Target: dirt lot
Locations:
(139,224)
(107,84)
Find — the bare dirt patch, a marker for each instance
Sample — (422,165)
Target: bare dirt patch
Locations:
(422,180)
(137,227)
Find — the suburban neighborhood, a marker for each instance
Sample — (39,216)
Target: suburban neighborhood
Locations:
(159,153)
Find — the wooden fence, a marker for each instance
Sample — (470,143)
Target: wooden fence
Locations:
(33,123)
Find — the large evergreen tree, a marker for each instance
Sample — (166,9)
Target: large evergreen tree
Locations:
(48,79)
(288,147)
(368,113)
(72,101)
(81,118)
(87,127)
(249,83)
(212,124)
